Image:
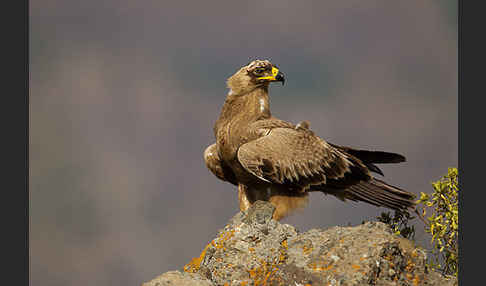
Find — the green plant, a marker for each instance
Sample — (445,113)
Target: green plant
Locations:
(399,223)
(442,224)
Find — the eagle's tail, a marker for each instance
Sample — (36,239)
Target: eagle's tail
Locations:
(370,158)
(381,194)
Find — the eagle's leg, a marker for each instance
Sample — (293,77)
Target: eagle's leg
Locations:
(247,196)
(287,202)
(243,197)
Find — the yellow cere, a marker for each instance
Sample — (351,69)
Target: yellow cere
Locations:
(274,71)
(274,74)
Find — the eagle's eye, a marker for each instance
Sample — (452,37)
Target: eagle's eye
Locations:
(259,71)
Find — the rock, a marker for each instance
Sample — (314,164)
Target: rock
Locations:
(176,278)
(254,249)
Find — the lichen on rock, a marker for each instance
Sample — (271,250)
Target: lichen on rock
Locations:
(255,250)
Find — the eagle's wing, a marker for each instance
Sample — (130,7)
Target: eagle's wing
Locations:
(218,166)
(295,156)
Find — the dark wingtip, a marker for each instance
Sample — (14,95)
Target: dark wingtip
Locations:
(400,158)
(374,168)
(380,157)
(377,157)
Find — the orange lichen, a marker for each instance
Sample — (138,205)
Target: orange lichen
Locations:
(355,266)
(218,243)
(283,252)
(320,266)
(195,263)
(410,266)
(414,253)
(262,273)
(306,249)
(416,280)
(265,273)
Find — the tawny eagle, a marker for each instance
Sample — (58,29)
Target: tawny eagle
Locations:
(274,160)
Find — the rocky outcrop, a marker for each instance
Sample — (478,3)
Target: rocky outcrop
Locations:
(254,249)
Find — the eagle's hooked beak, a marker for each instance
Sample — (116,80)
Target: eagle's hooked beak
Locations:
(276,76)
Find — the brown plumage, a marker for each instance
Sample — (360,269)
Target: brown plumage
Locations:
(273,160)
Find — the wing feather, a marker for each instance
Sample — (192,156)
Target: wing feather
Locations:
(298,157)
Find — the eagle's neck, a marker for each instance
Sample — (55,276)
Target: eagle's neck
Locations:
(249,107)
(239,111)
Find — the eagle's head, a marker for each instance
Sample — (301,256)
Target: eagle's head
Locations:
(258,73)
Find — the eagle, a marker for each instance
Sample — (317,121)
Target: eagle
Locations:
(273,160)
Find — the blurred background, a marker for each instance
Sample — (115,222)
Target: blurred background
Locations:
(124,95)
